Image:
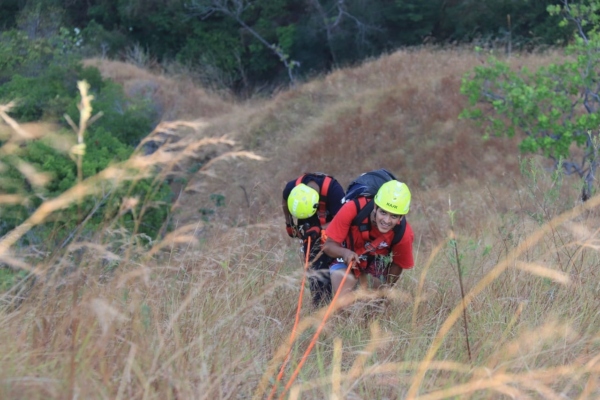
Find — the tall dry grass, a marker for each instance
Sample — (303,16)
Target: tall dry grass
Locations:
(208,321)
(207,311)
(175,97)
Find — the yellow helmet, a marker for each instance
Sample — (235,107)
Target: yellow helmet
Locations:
(393,197)
(303,201)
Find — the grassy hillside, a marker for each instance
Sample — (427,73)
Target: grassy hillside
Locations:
(207,313)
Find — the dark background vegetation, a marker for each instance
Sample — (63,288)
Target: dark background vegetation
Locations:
(221,39)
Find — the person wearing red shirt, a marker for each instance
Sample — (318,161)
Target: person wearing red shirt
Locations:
(369,246)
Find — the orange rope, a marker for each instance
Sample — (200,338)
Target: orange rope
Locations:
(292,336)
(317,333)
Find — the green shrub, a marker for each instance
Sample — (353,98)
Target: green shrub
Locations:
(9,277)
(19,54)
(102,149)
(40,97)
(127,119)
(42,75)
(98,40)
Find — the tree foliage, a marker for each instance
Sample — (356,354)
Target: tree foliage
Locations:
(265,42)
(555,107)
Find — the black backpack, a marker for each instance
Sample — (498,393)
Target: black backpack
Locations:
(367,184)
(366,187)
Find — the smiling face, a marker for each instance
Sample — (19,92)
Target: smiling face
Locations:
(384,220)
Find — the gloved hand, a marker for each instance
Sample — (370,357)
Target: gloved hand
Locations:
(291,231)
(314,233)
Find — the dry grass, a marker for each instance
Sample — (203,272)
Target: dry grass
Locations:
(399,111)
(205,322)
(206,312)
(177,97)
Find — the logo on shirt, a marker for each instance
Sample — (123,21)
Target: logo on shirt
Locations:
(369,246)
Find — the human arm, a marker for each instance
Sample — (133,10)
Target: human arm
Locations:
(393,274)
(336,250)
(402,252)
(289,220)
(402,257)
(337,233)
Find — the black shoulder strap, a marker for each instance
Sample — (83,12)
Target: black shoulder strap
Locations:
(399,232)
(363,213)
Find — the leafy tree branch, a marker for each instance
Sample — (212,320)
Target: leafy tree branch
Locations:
(555,107)
(332,18)
(234,9)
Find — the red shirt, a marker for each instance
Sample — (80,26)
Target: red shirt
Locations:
(339,228)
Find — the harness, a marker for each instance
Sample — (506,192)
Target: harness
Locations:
(322,209)
(364,207)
